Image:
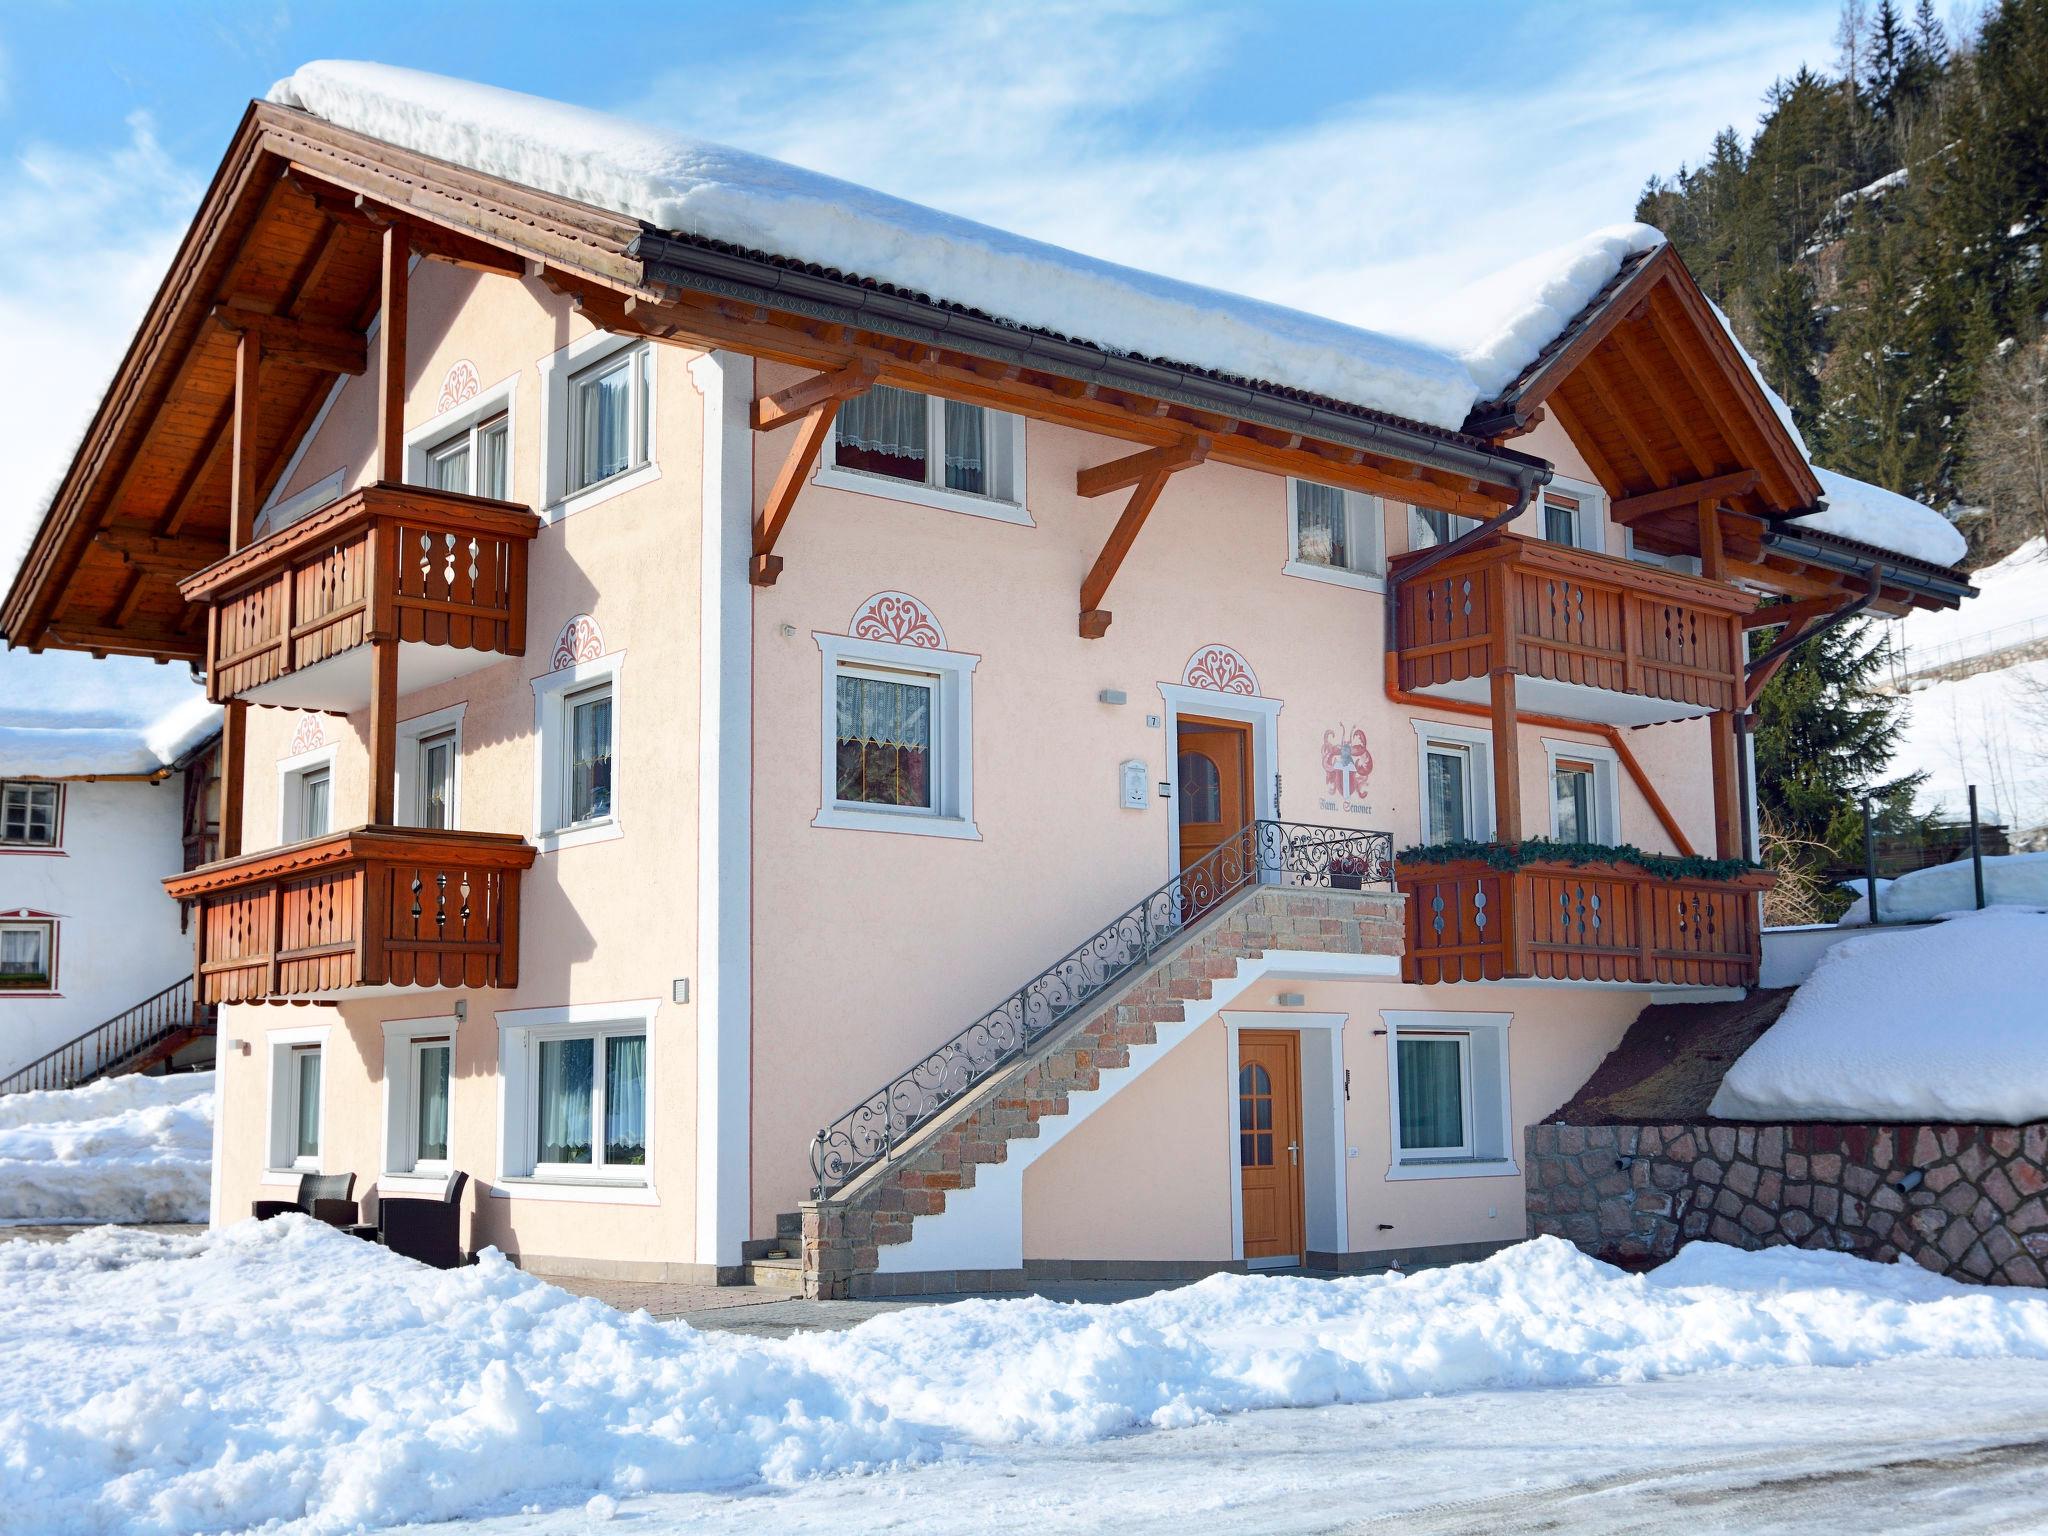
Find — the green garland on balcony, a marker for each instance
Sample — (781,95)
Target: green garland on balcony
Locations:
(1508,857)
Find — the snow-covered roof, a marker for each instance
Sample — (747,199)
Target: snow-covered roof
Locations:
(68,716)
(1467,347)
(1872,515)
(1940,1023)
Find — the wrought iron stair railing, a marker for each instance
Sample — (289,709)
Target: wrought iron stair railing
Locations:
(1263,853)
(79,1060)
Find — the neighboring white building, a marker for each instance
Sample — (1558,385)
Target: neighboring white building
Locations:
(105,788)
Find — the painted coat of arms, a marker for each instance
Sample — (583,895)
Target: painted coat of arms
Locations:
(1347,762)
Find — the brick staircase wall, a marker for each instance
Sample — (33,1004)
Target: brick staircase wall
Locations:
(1969,1201)
(843,1235)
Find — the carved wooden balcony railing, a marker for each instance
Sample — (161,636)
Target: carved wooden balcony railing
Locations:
(425,567)
(1543,610)
(1468,921)
(370,907)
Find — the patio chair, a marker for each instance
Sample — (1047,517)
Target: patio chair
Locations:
(425,1228)
(325,1197)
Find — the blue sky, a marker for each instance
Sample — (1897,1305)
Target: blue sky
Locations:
(1350,159)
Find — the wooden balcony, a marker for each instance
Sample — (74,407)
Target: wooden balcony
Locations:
(290,617)
(1584,922)
(1600,638)
(374,907)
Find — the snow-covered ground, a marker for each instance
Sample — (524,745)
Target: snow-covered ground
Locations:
(124,1149)
(1937,1023)
(286,1372)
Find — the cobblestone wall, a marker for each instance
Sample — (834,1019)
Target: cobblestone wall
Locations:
(1966,1200)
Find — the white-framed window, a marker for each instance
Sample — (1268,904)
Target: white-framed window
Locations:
(930,450)
(1455,773)
(1335,535)
(31,813)
(578,1095)
(305,795)
(600,410)
(1431,526)
(468,448)
(28,954)
(430,769)
(298,1101)
(1584,792)
(1572,513)
(897,733)
(419,1075)
(576,728)
(1448,1107)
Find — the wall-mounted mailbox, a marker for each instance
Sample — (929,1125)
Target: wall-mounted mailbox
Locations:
(1137,785)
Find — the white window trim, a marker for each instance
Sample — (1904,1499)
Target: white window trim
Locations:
(550,734)
(1606,785)
(402,1171)
(827,472)
(501,399)
(518,1067)
(1419,536)
(410,780)
(284,513)
(1479,782)
(1486,1032)
(291,791)
(281,1168)
(1593,519)
(952,814)
(1362,512)
(556,370)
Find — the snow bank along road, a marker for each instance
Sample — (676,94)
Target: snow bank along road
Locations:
(285,1372)
(123,1149)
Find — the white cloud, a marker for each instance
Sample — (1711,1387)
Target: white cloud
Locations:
(1062,122)
(84,239)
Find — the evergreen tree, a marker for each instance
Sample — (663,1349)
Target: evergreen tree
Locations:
(1791,334)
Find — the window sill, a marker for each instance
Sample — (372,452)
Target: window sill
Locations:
(587,1191)
(848,820)
(424,1179)
(26,850)
(575,837)
(1454,1168)
(862,484)
(604,490)
(1336,576)
(284,1178)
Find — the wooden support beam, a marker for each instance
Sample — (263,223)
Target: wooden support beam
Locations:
(1793,613)
(1713,557)
(384,731)
(1722,749)
(298,343)
(246,466)
(159,644)
(1627,509)
(1575,428)
(234,744)
(1095,619)
(1507,759)
(1647,787)
(393,289)
(774,515)
(796,402)
(1788,577)
(148,551)
(1132,469)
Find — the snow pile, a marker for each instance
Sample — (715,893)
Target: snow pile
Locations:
(2010,880)
(310,1377)
(124,1149)
(693,187)
(69,715)
(1940,1023)
(1873,515)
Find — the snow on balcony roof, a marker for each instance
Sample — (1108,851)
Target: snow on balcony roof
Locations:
(69,716)
(708,191)
(1872,515)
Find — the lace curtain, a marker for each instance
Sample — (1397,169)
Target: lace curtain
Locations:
(1320,533)
(625,1099)
(590,759)
(885,739)
(885,432)
(605,424)
(433,1143)
(565,1080)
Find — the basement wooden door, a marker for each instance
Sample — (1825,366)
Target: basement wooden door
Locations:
(1269,1147)
(1213,769)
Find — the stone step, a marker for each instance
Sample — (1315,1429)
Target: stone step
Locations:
(777,1274)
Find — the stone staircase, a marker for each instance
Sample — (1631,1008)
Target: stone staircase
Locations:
(842,1235)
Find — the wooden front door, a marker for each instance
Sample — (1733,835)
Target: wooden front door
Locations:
(1213,769)
(1269,1149)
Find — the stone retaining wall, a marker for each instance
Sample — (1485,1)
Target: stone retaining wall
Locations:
(1966,1200)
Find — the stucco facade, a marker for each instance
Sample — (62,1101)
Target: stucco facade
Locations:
(841,953)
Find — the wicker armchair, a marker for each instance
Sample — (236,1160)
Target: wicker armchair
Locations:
(325,1197)
(425,1228)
